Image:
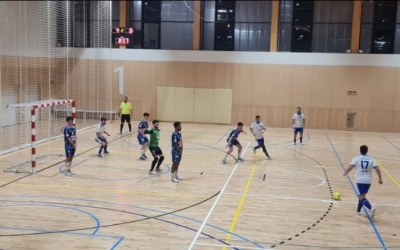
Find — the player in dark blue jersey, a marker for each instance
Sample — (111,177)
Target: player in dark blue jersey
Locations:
(142,138)
(177,148)
(233,141)
(69,143)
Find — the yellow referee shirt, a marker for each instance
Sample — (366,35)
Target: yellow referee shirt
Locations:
(125,108)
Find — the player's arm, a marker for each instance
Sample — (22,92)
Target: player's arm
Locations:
(348,170)
(378,172)
(120,109)
(105,132)
(148,132)
(130,110)
(176,144)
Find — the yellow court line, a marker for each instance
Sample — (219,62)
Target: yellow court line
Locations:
(388,174)
(241,202)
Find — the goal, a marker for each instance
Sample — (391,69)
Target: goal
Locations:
(31,124)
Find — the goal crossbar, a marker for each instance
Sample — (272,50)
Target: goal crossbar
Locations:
(37,105)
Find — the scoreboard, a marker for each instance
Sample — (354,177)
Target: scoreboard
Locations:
(122,36)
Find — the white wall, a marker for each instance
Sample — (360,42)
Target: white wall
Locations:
(280,58)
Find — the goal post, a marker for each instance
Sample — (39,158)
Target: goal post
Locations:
(43,119)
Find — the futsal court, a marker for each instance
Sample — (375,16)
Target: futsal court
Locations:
(113,203)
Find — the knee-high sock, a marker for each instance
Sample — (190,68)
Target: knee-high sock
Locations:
(153,163)
(160,161)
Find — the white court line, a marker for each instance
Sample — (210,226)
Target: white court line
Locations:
(216,201)
(309,199)
(229,246)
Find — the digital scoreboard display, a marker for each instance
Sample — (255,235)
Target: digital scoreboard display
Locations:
(122,35)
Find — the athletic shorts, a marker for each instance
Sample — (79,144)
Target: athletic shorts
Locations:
(155,151)
(176,157)
(100,140)
(233,142)
(142,139)
(125,118)
(363,188)
(69,152)
(298,130)
(260,142)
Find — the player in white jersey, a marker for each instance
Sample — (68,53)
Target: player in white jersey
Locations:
(99,136)
(258,129)
(299,121)
(364,165)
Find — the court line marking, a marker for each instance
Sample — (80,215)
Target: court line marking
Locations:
(120,238)
(224,134)
(216,201)
(95,219)
(241,202)
(378,235)
(131,206)
(391,143)
(239,247)
(308,199)
(388,174)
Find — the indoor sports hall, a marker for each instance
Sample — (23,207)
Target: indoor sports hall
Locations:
(208,65)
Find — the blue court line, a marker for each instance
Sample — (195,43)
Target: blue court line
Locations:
(117,179)
(391,143)
(120,238)
(144,208)
(63,207)
(356,193)
(224,135)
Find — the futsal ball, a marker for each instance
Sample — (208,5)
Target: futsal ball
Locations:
(336,196)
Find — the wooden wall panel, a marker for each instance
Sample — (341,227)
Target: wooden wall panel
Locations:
(203,105)
(272,91)
(222,106)
(341,84)
(301,86)
(322,81)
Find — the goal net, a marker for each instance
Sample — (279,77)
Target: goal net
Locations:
(31,124)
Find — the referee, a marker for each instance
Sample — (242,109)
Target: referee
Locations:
(126,113)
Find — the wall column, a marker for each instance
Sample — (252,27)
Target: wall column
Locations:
(196,25)
(122,16)
(274,26)
(356,26)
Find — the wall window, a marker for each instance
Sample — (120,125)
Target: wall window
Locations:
(177,25)
(367,24)
(397,32)
(252,25)
(285,25)
(208,25)
(332,26)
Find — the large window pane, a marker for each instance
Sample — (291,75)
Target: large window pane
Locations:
(176,36)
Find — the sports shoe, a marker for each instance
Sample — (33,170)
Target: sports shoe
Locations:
(269,158)
(158,169)
(142,158)
(99,155)
(373,210)
(224,162)
(254,150)
(106,152)
(177,177)
(174,180)
(240,159)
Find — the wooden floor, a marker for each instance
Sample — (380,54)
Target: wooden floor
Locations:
(112,202)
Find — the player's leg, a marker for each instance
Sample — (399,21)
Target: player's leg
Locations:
(146,146)
(160,157)
(258,145)
(123,118)
(128,120)
(155,159)
(70,152)
(362,200)
(262,145)
(101,146)
(295,135)
(175,164)
(228,153)
(239,146)
(301,135)
(142,143)
(106,146)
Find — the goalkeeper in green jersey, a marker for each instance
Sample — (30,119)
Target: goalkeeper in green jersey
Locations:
(153,146)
